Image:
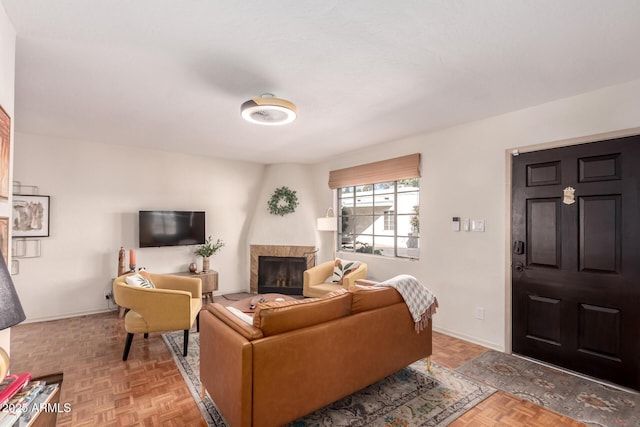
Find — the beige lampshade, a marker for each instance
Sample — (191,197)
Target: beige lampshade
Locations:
(327,223)
(4,363)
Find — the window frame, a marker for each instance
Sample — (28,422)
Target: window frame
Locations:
(350,237)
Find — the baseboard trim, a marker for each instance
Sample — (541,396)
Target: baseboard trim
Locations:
(473,340)
(68,315)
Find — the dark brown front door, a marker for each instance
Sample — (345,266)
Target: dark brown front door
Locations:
(576,258)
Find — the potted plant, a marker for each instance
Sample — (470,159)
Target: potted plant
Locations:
(206,250)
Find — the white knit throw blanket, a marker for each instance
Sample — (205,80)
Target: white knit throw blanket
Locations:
(422,303)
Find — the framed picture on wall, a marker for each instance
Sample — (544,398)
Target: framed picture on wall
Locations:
(5,152)
(4,238)
(30,216)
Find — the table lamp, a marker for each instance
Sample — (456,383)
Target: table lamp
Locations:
(11,312)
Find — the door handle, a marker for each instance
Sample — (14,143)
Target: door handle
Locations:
(520,267)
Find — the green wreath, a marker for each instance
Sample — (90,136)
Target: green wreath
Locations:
(283,201)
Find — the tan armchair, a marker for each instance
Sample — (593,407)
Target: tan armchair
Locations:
(314,284)
(173,304)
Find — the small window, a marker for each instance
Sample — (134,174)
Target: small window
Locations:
(380,219)
(389,221)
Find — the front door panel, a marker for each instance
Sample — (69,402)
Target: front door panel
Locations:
(576,284)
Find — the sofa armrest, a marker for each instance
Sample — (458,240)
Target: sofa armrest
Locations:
(228,374)
(247,331)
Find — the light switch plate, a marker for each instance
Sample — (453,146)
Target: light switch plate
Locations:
(477,225)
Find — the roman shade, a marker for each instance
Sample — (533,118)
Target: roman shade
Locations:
(383,171)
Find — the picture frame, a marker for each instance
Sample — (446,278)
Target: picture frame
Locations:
(4,238)
(5,153)
(30,215)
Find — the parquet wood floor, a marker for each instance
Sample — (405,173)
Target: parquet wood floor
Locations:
(148,389)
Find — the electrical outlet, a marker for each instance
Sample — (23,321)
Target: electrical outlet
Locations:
(107,295)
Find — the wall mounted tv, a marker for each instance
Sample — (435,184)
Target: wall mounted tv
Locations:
(171,228)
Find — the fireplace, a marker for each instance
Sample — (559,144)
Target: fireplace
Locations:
(305,259)
(282,275)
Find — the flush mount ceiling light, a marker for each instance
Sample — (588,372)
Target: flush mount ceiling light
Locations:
(269,110)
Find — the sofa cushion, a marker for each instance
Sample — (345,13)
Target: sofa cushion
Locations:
(341,268)
(367,298)
(276,317)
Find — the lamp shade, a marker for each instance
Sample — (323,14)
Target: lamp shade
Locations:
(11,312)
(327,223)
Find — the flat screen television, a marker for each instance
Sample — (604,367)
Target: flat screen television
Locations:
(171,228)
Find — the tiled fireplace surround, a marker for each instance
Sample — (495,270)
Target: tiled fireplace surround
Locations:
(276,251)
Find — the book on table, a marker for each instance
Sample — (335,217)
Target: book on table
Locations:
(12,384)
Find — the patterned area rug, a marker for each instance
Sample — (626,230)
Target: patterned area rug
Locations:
(410,397)
(583,400)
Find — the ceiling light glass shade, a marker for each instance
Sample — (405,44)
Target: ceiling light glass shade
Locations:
(269,111)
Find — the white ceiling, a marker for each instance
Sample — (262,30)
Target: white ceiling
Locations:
(171,74)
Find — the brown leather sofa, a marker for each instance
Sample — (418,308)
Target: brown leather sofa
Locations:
(299,356)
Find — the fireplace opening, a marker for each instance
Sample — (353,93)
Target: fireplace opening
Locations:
(282,275)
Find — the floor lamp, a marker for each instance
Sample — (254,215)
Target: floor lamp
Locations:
(329,223)
(11,313)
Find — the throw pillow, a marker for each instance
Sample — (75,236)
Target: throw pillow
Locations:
(341,268)
(140,281)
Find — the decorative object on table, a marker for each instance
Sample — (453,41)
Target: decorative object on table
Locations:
(283,201)
(193,267)
(207,249)
(5,153)
(122,264)
(132,260)
(11,313)
(30,216)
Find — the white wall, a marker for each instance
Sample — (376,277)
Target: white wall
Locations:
(297,228)
(465,173)
(7,90)
(96,191)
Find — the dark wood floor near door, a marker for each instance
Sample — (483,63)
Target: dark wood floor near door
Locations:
(149,390)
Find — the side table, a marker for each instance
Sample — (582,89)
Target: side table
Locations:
(209,281)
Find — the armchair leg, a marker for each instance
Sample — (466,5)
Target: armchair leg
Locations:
(127,346)
(198,322)
(186,342)
(146,335)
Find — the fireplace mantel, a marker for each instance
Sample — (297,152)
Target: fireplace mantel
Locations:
(277,251)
